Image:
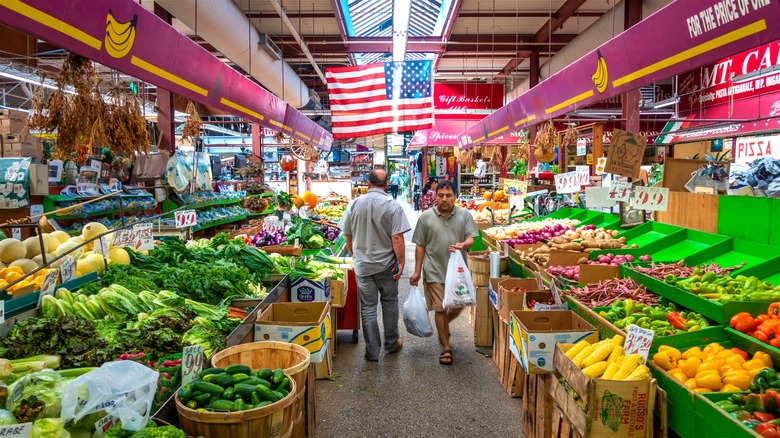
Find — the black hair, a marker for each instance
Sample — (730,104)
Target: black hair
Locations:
(446,185)
(375,180)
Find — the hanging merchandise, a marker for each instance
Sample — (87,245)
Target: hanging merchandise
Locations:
(481,169)
(545,143)
(14,182)
(180,170)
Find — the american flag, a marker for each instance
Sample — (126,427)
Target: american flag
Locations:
(380,98)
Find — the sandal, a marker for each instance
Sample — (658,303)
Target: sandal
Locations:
(446,357)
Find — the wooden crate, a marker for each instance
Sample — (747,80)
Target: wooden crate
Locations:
(537,406)
(324,368)
(502,349)
(561,427)
(681,204)
(483,319)
(496,333)
(510,373)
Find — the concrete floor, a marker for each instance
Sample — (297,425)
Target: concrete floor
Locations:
(409,394)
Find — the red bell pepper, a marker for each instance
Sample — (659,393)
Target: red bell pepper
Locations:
(761,336)
(740,352)
(765,426)
(677,321)
(760,319)
(774,310)
(743,322)
(763,417)
(770,433)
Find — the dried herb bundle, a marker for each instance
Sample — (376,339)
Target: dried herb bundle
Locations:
(466,158)
(545,143)
(495,158)
(570,135)
(191,128)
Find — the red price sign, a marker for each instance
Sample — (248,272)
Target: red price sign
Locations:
(144,237)
(650,198)
(191,363)
(186,219)
(638,340)
(105,423)
(124,238)
(68,269)
(619,191)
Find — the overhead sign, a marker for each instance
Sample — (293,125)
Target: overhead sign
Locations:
(747,149)
(695,33)
(467,95)
(625,154)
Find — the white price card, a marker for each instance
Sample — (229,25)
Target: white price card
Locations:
(543,307)
(539,282)
(123,238)
(68,269)
(16,233)
(638,340)
(186,219)
(105,423)
(620,191)
(2,311)
(554,291)
(571,182)
(22,430)
(650,198)
(144,237)
(49,283)
(191,363)
(598,197)
(100,247)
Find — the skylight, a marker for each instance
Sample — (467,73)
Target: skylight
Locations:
(374,18)
(370,58)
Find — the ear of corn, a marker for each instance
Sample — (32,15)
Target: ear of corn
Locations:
(572,352)
(580,357)
(611,370)
(618,340)
(616,353)
(640,373)
(627,366)
(600,353)
(595,370)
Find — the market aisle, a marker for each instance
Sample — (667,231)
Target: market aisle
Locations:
(410,394)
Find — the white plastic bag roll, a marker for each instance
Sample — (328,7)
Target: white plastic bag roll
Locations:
(495,264)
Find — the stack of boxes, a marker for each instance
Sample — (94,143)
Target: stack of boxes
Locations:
(11,133)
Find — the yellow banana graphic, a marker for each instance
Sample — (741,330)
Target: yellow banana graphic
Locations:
(601,77)
(119,36)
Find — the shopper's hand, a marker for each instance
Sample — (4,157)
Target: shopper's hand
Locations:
(414,279)
(400,271)
(456,247)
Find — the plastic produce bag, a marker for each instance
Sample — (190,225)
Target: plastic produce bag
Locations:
(124,389)
(458,288)
(416,315)
(36,395)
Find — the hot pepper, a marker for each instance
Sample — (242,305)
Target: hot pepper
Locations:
(709,277)
(677,321)
(728,406)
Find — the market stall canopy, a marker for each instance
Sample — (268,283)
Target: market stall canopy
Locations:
(121,34)
(694,33)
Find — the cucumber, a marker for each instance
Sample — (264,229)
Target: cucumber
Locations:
(192,404)
(203,399)
(185,394)
(207,387)
(225,381)
(284,392)
(278,375)
(239,377)
(255,398)
(263,382)
(278,395)
(240,405)
(223,405)
(244,389)
(262,404)
(284,384)
(214,378)
(238,368)
(208,371)
(251,380)
(229,393)
(265,373)
(265,393)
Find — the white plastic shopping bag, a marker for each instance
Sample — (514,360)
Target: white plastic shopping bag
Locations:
(416,314)
(458,288)
(124,389)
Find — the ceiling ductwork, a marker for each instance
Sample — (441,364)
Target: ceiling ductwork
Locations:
(605,28)
(225,27)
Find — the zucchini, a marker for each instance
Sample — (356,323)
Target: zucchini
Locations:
(244,389)
(207,387)
(238,368)
(225,381)
(203,399)
(240,405)
(223,405)
(283,384)
(214,378)
(278,375)
(239,377)
(265,393)
(185,394)
(229,393)
(265,373)
(208,371)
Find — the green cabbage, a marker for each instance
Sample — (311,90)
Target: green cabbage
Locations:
(7,418)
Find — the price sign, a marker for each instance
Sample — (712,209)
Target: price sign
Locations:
(144,237)
(539,282)
(600,164)
(22,430)
(598,197)
(555,294)
(191,363)
(186,219)
(68,269)
(543,307)
(619,191)
(273,226)
(582,147)
(105,423)
(566,183)
(49,283)
(650,198)
(2,311)
(124,238)
(638,340)
(516,188)
(100,246)
(16,233)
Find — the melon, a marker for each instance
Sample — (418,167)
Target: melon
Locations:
(61,236)
(12,249)
(98,260)
(77,240)
(51,242)
(39,258)
(3,265)
(33,245)
(67,247)
(56,264)
(92,230)
(119,256)
(85,266)
(27,265)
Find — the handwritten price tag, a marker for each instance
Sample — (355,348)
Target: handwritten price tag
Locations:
(100,246)
(49,283)
(555,294)
(539,281)
(105,423)
(22,430)
(571,182)
(124,238)
(619,191)
(16,233)
(68,269)
(144,237)
(191,363)
(638,340)
(543,307)
(186,219)
(2,311)
(650,198)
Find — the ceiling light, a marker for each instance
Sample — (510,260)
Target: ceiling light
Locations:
(667,102)
(402,10)
(755,74)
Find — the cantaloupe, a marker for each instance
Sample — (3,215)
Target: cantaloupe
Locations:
(51,242)
(39,258)
(33,245)
(85,266)
(12,249)
(98,260)
(27,265)
(119,256)
(61,236)
(92,230)
(67,247)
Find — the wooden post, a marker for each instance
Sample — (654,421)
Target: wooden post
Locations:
(598,147)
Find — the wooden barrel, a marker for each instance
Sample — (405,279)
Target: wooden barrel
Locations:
(272,421)
(291,358)
(479,266)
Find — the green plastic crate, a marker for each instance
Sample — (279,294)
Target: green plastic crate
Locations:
(587,216)
(650,233)
(710,420)
(564,213)
(755,226)
(732,252)
(767,271)
(687,244)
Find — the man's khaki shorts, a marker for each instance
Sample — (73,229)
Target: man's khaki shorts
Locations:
(434,296)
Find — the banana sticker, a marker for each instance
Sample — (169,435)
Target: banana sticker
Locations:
(119,36)
(601,77)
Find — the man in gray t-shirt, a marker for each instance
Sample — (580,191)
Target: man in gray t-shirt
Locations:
(440,231)
(374,227)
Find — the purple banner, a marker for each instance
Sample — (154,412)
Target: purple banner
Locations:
(121,34)
(681,36)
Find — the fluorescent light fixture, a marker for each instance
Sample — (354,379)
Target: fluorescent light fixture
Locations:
(666,102)
(402,10)
(755,74)
(43,84)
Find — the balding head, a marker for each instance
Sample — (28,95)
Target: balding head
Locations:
(377,178)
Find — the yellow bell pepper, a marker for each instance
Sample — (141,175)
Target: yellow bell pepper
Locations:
(736,361)
(764,357)
(690,383)
(728,368)
(725,354)
(730,388)
(13,276)
(693,352)
(712,349)
(678,374)
(709,379)
(709,365)
(740,379)
(753,364)
(664,360)
(671,351)
(689,366)
(752,373)
(702,389)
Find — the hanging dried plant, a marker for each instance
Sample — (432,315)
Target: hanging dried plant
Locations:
(511,155)
(192,124)
(570,135)
(545,143)
(477,152)
(466,158)
(496,160)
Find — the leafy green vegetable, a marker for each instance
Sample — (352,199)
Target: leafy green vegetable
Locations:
(50,428)
(36,395)
(209,338)
(159,432)
(7,418)
(305,231)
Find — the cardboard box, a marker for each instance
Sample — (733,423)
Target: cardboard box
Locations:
(493,289)
(304,290)
(612,408)
(305,324)
(533,336)
(12,149)
(339,290)
(595,273)
(509,301)
(566,258)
